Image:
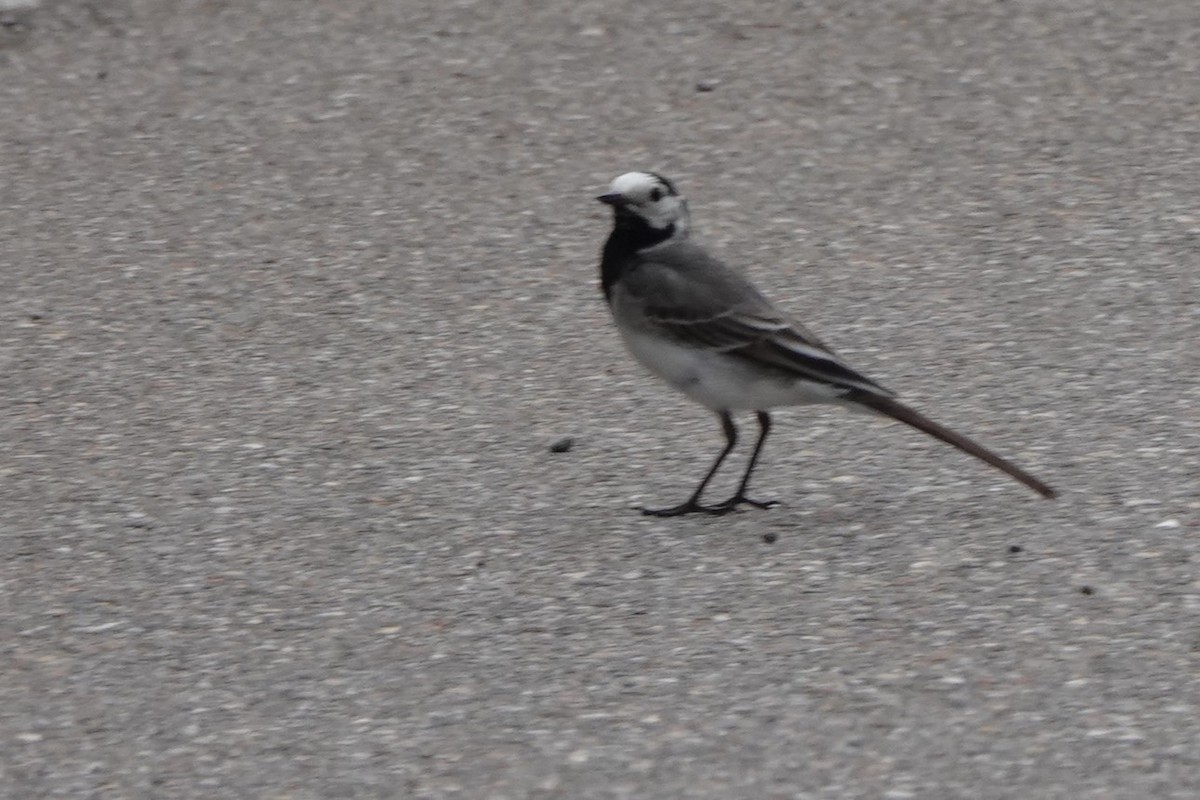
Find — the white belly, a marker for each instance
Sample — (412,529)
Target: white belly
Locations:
(722,382)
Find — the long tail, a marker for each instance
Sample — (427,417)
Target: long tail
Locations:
(898,411)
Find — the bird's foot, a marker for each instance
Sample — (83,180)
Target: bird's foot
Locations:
(738,499)
(693,507)
(690,507)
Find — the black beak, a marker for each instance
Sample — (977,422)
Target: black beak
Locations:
(614,199)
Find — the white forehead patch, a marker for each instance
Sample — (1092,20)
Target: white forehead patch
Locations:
(634,183)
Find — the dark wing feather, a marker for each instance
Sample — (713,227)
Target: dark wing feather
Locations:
(696,299)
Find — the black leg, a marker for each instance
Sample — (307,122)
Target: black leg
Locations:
(692,504)
(764,425)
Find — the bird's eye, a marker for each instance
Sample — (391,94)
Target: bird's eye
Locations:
(656,194)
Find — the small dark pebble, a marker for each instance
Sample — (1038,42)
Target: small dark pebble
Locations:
(769,538)
(562,445)
(1086,590)
(1014,548)
(707,84)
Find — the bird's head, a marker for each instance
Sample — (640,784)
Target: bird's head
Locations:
(646,198)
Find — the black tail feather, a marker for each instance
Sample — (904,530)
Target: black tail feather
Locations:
(898,411)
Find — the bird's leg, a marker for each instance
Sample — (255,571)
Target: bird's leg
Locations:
(692,504)
(764,424)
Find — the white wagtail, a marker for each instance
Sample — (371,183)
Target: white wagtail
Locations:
(701,326)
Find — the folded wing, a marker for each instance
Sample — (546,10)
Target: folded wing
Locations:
(696,300)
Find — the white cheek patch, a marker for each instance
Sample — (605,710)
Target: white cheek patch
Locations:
(662,214)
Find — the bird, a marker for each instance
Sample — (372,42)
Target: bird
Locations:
(703,327)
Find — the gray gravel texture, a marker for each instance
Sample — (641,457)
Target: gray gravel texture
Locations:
(298,295)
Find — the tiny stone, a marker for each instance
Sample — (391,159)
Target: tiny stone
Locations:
(707,84)
(769,538)
(1086,590)
(1014,548)
(562,445)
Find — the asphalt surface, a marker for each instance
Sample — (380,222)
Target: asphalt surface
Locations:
(298,296)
